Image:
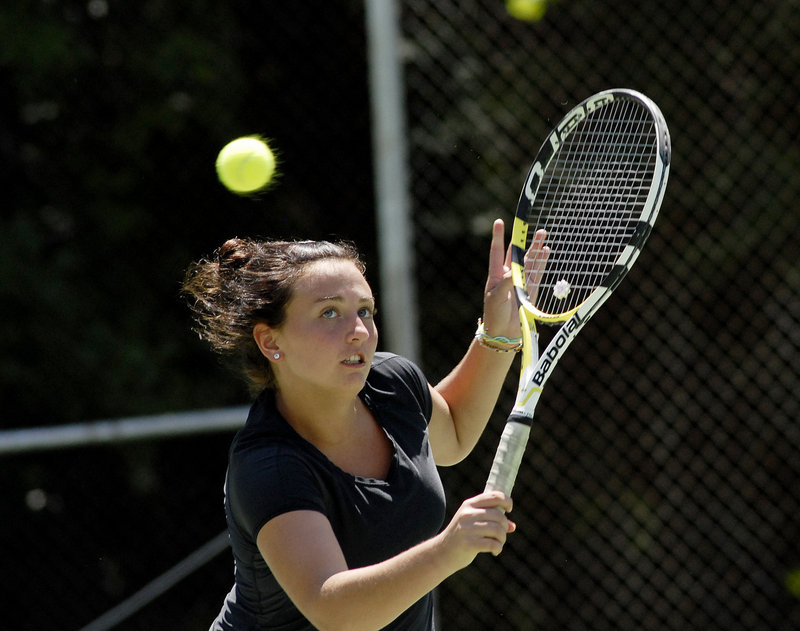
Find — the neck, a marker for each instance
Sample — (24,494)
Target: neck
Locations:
(321,421)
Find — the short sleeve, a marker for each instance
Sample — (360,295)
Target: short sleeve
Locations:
(269,481)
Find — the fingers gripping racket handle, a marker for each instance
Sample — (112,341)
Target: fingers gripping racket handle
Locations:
(508,456)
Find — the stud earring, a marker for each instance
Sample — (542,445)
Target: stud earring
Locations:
(276,356)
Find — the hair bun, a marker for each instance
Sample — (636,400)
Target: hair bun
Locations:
(234,253)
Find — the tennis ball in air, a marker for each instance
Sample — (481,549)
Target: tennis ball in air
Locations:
(793,582)
(526,10)
(245,165)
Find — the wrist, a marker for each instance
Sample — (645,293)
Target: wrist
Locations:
(448,557)
(499,343)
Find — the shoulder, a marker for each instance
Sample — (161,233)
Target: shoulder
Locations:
(384,363)
(270,471)
(394,375)
(271,480)
(267,445)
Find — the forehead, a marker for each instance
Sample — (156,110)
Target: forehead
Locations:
(331,278)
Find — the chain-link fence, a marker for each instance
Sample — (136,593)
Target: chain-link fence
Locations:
(660,489)
(661,486)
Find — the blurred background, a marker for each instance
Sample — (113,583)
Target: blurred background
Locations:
(661,488)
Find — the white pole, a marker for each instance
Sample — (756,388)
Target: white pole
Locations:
(103,432)
(398,304)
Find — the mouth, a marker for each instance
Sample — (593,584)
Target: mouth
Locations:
(356,359)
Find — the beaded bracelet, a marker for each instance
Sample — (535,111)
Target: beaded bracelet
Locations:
(498,344)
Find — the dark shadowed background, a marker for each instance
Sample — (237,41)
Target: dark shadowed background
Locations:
(660,489)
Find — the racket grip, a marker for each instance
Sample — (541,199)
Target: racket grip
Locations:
(508,457)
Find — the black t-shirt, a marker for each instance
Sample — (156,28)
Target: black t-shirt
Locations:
(273,470)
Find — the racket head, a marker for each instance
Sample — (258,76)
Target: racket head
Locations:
(595,189)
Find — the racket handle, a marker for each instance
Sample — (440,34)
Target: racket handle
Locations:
(508,456)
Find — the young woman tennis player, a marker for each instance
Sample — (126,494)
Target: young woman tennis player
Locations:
(333,501)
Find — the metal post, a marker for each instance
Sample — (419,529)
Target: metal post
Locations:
(395,248)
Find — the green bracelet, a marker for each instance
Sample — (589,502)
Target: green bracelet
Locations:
(499,344)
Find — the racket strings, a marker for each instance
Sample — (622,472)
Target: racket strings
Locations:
(590,199)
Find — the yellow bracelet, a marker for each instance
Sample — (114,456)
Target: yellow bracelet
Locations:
(498,344)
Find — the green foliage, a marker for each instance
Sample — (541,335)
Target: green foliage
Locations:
(109,120)
(111,117)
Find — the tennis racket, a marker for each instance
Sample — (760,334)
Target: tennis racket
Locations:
(588,205)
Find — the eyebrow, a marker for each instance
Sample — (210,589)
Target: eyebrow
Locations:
(370,299)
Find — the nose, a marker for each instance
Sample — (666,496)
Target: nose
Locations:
(361,330)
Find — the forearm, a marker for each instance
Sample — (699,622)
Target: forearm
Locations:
(304,555)
(369,598)
(471,391)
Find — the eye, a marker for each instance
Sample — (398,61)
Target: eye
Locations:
(330,313)
(366,312)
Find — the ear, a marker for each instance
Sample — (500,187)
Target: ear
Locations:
(264,337)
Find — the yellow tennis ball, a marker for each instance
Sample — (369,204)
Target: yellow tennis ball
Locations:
(526,10)
(792,582)
(245,165)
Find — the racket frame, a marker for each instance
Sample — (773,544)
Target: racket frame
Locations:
(536,369)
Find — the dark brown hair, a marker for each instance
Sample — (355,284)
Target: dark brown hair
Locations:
(246,282)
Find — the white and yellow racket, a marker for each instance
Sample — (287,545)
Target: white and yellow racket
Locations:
(593,194)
